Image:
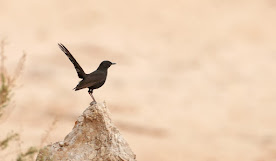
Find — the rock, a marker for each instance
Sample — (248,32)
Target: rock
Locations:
(93,138)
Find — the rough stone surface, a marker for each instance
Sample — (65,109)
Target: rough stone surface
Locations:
(93,138)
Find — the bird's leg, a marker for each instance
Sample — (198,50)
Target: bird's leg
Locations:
(91,94)
(92,97)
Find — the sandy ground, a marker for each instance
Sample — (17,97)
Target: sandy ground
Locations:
(194,80)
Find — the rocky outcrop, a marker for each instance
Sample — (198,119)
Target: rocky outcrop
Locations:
(93,138)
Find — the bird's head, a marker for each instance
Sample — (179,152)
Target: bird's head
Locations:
(105,64)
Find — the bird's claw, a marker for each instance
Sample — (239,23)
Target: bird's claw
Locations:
(93,103)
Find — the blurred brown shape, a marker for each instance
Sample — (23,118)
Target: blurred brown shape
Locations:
(7,81)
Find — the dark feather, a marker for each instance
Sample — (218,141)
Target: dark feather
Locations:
(78,68)
(93,80)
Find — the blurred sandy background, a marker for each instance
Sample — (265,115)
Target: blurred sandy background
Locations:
(194,80)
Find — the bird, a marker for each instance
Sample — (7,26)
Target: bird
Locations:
(93,80)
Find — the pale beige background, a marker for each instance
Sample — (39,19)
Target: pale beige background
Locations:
(194,80)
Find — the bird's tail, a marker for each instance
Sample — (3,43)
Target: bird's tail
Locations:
(78,68)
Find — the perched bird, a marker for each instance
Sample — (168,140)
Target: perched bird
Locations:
(91,81)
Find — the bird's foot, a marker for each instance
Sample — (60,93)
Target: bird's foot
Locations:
(93,103)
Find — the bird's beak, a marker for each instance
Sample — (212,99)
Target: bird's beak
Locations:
(113,63)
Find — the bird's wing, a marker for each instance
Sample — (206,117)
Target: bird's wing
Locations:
(78,68)
(91,80)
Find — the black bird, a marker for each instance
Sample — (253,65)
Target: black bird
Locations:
(91,81)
